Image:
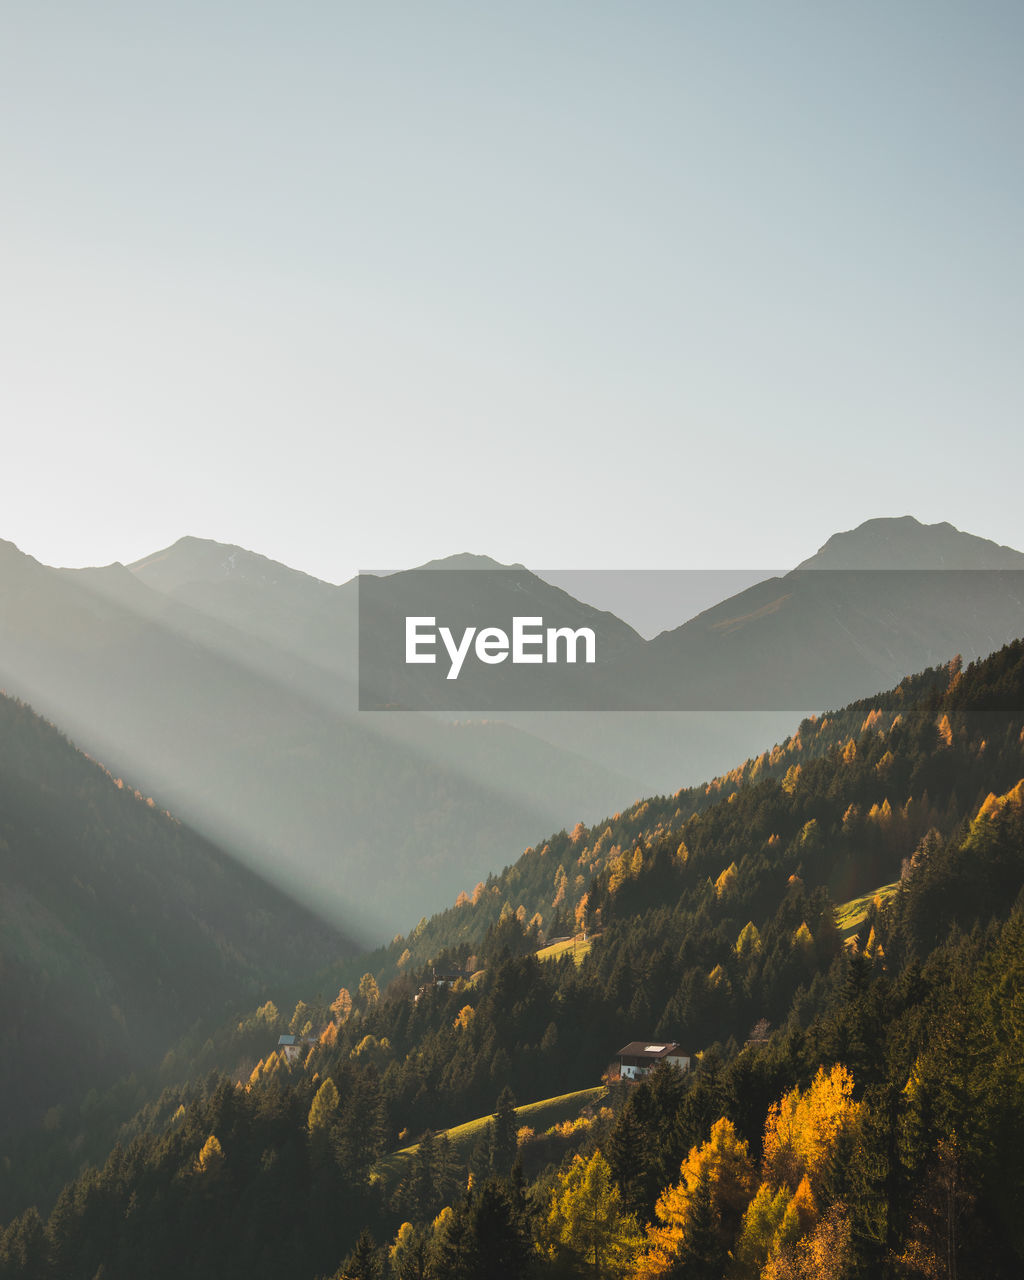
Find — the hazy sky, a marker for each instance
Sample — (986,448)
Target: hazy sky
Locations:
(569,283)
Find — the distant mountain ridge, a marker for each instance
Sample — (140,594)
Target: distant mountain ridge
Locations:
(873,604)
(906,543)
(225,684)
(233,703)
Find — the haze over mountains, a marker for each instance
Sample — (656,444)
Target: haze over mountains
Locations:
(224,684)
(251,735)
(120,926)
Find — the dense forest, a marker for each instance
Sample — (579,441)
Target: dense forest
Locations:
(856,1106)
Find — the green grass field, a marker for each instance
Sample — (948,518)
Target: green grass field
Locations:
(851,915)
(464,1137)
(578,946)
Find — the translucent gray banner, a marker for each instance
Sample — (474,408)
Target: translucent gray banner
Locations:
(487,639)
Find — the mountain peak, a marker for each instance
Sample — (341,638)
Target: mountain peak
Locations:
(468,560)
(192,560)
(903,542)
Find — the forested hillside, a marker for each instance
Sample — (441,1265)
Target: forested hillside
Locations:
(120,926)
(856,1107)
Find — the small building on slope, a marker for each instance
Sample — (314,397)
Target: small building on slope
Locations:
(638,1057)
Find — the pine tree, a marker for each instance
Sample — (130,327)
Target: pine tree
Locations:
(623,1150)
(481,1157)
(423,1199)
(364,1262)
(504,1135)
(484,1237)
(410,1253)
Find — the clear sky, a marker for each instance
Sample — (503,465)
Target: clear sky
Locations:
(569,282)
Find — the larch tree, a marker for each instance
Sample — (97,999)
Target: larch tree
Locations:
(724,1162)
(587,1223)
(803,1128)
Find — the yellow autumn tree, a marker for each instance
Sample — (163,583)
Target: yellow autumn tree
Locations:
(749,941)
(718,981)
(804,1127)
(725,1161)
(465,1017)
(761,1225)
(993,805)
(727,880)
(821,1254)
(587,1226)
(211,1158)
(789,782)
(324,1107)
(618,869)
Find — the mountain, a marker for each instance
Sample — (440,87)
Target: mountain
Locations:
(572,765)
(289,610)
(251,735)
(906,543)
(225,685)
(120,926)
(852,1099)
(321,625)
(890,597)
(477,592)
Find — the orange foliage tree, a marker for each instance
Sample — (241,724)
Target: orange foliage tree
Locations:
(724,1162)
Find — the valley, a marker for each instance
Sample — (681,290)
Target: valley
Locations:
(826,929)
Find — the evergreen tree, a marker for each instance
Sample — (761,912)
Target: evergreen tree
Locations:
(364,1262)
(481,1160)
(504,1135)
(423,1197)
(624,1149)
(485,1237)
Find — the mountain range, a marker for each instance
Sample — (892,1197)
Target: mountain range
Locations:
(854,1098)
(225,685)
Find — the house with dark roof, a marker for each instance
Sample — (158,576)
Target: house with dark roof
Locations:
(638,1057)
(447,979)
(289,1046)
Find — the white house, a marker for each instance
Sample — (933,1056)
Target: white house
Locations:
(639,1056)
